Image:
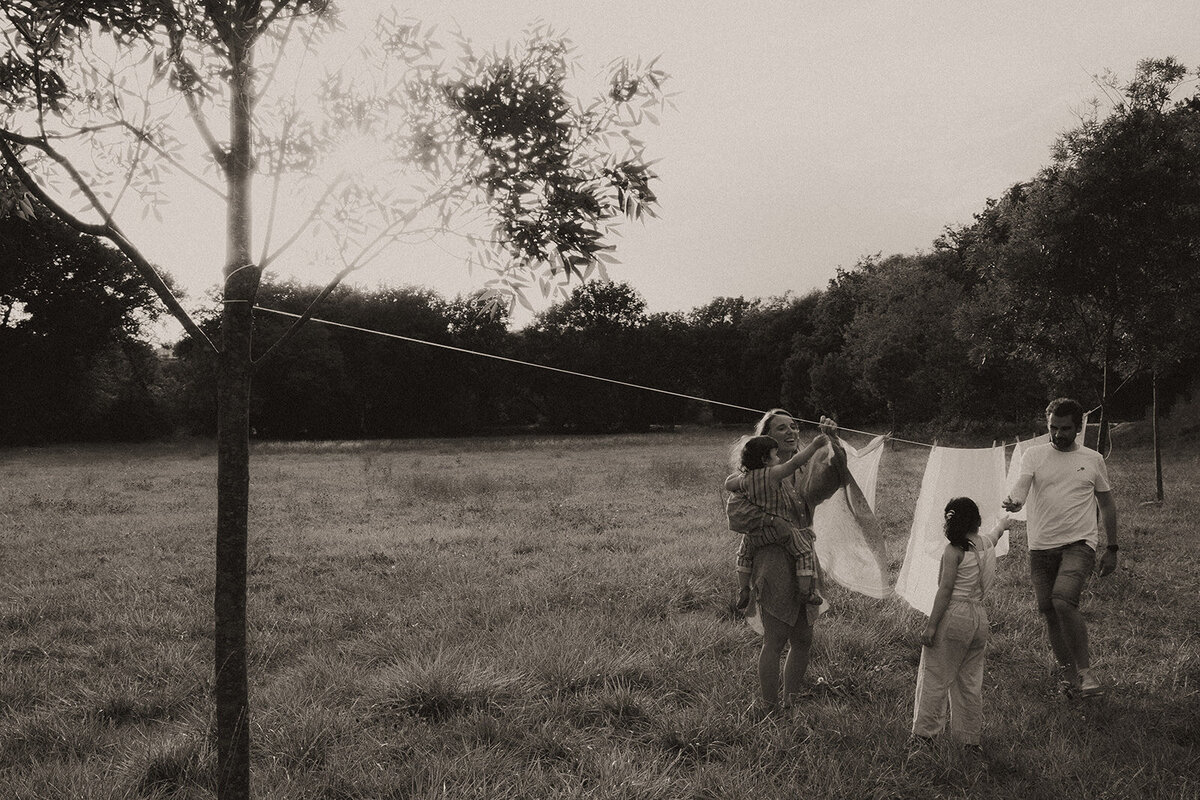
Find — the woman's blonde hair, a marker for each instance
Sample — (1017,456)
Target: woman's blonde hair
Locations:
(763,424)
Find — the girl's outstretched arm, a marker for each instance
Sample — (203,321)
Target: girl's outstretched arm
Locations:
(802,457)
(1002,525)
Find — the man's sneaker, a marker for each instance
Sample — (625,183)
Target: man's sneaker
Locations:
(1088,685)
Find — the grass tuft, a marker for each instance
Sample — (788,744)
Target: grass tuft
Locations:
(168,766)
(438,687)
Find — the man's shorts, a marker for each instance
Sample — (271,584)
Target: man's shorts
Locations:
(1060,573)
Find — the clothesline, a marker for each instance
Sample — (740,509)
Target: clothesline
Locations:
(579,374)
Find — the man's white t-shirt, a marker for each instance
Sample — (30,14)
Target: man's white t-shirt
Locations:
(1061,490)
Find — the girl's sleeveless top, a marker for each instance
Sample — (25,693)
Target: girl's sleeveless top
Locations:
(975,573)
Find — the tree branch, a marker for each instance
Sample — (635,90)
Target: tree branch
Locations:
(302,226)
(133,165)
(187,82)
(262,27)
(109,231)
(274,206)
(144,137)
(266,85)
(88,129)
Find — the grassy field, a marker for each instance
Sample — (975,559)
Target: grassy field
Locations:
(543,617)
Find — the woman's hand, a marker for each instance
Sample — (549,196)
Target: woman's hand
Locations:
(827,426)
(928,634)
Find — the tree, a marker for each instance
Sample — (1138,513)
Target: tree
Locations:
(718,344)
(815,374)
(1099,258)
(593,331)
(769,332)
(72,320)
(595,305)
(494,131)
(487,391)
(901,341)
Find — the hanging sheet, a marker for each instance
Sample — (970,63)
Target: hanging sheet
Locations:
(864,466)
(849,539)
(950,472)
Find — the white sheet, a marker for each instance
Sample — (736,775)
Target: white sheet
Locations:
(850,544)
(950,472)
(864,466)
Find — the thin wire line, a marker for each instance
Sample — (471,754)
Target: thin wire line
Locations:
(580,374)
(528,363)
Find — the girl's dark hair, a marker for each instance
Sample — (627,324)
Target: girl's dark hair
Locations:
(962,519)
(754,451)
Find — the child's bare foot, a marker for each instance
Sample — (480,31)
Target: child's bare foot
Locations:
(743,598)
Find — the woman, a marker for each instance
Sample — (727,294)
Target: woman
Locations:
(778,609)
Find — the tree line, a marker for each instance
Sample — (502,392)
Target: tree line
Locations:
(893,342)
(1081,280)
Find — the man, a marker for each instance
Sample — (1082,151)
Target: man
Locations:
(1065,483)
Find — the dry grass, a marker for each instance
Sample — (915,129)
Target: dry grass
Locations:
(534,618)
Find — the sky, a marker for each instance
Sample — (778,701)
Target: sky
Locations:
(807,135)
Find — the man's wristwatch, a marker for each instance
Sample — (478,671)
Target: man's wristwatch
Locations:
(1112,548)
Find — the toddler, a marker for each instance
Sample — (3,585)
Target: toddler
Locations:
(762,509)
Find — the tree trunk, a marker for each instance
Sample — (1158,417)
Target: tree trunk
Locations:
(1102,432)
(1158,476)
(233,441)
(229,601)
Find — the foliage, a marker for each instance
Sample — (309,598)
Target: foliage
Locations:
(551,205)
(73,317)
(333,382)
(1091,267)
(554,173)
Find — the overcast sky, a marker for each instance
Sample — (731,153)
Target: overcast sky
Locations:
(807,135)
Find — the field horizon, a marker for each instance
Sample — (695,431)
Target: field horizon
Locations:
(538,616)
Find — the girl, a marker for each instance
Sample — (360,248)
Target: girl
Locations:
(956,635)
(760,510)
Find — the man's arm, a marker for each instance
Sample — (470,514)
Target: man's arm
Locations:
(1108,517)
(1020,488)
